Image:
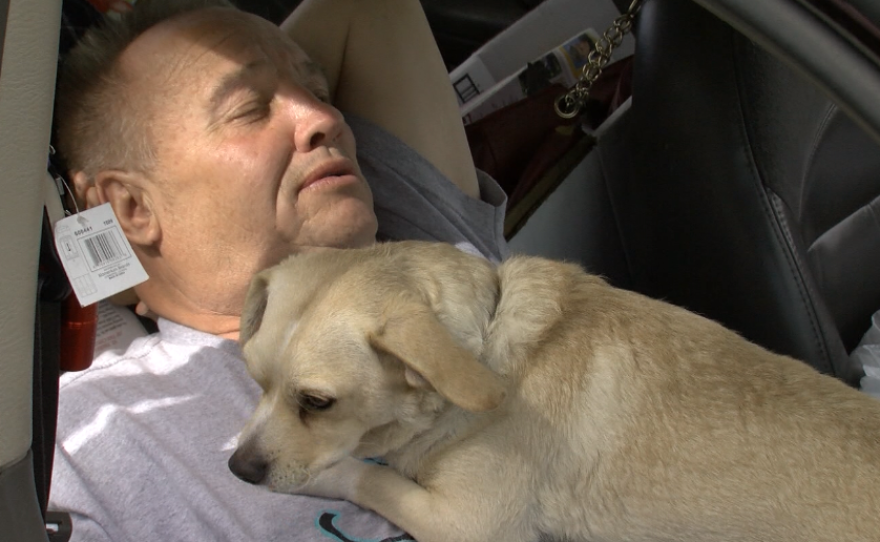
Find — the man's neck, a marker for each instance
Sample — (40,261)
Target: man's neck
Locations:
(182,310)
(221,325)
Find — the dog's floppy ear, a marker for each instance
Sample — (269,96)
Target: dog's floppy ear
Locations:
(254,306)
(415,336)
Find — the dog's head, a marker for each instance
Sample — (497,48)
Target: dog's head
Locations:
(359,350)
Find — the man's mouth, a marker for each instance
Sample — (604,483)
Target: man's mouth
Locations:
(329,172)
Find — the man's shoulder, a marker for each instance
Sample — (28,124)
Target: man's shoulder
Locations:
(162,353)
(152,386)
(111,362)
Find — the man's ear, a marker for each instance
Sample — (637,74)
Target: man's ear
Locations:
(125,191)
(84,190)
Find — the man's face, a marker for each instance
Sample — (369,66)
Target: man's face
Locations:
(252,162)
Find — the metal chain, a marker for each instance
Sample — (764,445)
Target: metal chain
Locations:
(569,104)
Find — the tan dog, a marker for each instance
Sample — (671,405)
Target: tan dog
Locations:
(533,399)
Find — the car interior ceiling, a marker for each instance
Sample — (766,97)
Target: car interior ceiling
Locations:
(764,217)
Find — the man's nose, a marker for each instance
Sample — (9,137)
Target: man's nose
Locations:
(248,464)
(317,123)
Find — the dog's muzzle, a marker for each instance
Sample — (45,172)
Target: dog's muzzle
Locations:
(248,464)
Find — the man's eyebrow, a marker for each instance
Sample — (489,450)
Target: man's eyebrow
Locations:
(234,81)
(314,73)
(313,69)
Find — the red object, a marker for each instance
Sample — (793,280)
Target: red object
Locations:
(105,6)
(101,5)
(78,327)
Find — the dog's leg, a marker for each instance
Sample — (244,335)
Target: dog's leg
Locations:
(428,516)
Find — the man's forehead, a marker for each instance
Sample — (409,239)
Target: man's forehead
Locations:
(207,39)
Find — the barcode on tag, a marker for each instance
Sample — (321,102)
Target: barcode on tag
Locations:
(103,248)
(97,258)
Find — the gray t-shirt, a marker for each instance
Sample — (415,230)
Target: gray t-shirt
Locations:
(144,435)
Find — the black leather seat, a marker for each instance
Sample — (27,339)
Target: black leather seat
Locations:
(751,198)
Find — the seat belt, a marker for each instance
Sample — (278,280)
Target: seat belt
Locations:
(52,288)
(53,291)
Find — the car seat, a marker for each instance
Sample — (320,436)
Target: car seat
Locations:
(752,197)
(29,32)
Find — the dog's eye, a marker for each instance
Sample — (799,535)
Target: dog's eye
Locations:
(316,402)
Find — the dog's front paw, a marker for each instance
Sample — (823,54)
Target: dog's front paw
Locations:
(337,481)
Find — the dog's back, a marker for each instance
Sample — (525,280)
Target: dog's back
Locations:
(647,421)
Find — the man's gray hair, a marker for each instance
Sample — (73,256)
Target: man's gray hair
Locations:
(97,127)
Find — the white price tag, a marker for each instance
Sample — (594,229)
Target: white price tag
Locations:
(96,256)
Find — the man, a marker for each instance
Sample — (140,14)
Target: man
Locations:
(211,134)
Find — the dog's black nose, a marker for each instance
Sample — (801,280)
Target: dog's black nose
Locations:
(248,466)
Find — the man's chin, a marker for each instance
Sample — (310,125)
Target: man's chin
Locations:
(349,230)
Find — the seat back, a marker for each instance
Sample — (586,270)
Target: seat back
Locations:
(753,199)
(29,31)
